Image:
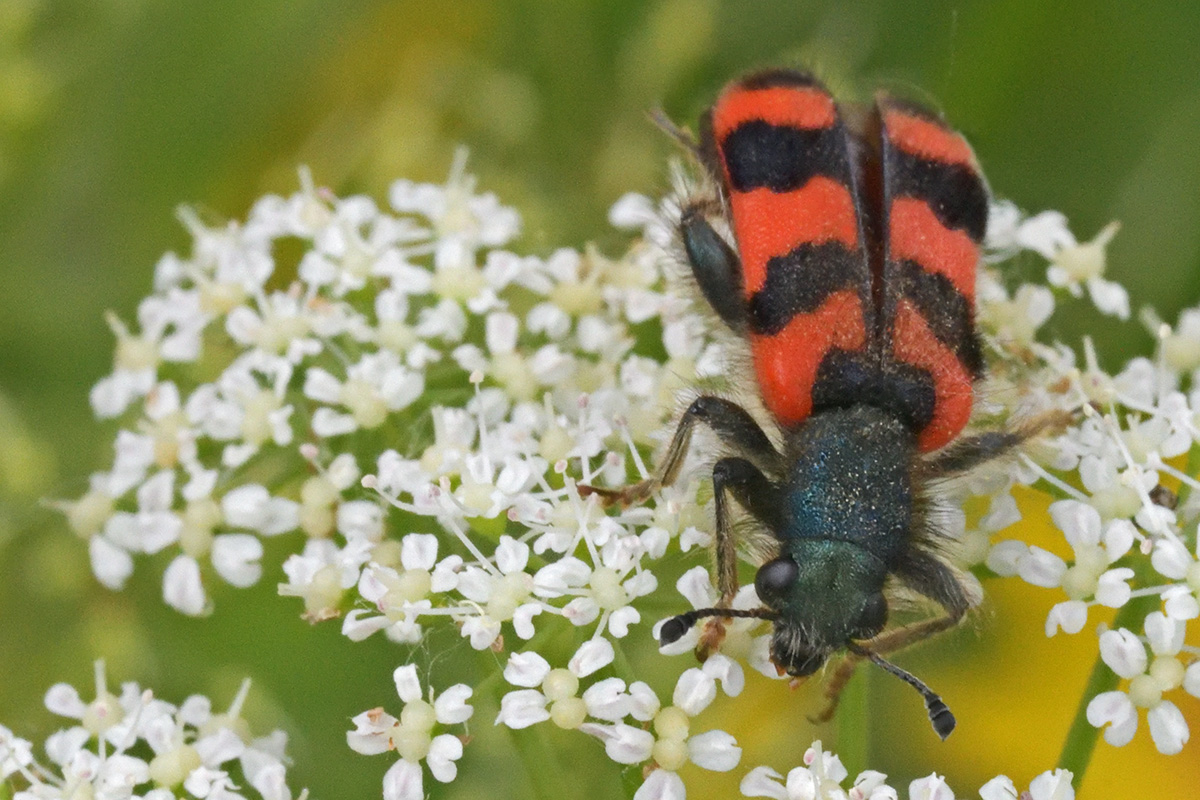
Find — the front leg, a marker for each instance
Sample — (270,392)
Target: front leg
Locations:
(932,578)
(763,499)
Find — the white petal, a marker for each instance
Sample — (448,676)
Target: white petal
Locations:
(763,782)
(320,385)
(217,748)
(1041,568)
(361,623)
(696,586)
(1171,558)
(408,686)
(1112,590)
(522,708)
(999,788)
(620,620)
(628,745)
(592,655)
(62,747)
(1115,710)
(727,671)
(522,619)
(581,611)
(1123,652)
(1002,513)
(1164,634)
(632,210)
(1078,521)
(694,691)
(1109,297)
(872,785)
(111,565)
(714,750)
(1168,728)
(269,780)
(501,330)
(607,700)
(1191,679)
(932,787)
(443,752)
(1118,538)
(661,784)
(451,706)
(1003,557)
(645,703)
(511,555)
(401,387)
(481,632)
(1046,233)
(244,506)
(527,669)
(182,589)
(556,578)
(235,557)
(360,519)
(327,423)
(63,699)
(1070,615)
(419,551)
(1052,785)
(403,782)
(279,516)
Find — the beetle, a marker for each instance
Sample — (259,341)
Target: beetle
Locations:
(852,281)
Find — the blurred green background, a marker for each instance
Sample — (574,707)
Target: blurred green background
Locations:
(112,112)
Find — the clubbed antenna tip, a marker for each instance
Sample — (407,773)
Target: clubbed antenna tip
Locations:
(940,715)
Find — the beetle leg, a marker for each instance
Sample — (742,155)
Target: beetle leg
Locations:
(922,573)
(758,495)
(716,267)
(890,641)
(733,425)
(968,453)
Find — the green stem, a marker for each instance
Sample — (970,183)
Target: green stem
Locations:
(541,764)
(853,731)
(621,665)
(1081,738)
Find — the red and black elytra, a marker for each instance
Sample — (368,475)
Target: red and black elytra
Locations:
(858,250)
(853,281)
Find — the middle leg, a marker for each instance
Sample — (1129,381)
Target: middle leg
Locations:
(733,425)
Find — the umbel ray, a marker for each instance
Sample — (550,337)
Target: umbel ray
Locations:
(852,282)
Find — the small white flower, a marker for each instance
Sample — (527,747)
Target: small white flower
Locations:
(819,779)
(1125,654)
(552,694)
(672,744)
(411,735)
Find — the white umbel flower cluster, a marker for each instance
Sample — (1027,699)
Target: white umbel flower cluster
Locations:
(821,777)
(134,746)
(412,405)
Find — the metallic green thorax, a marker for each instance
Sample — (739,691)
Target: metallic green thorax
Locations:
(848,512)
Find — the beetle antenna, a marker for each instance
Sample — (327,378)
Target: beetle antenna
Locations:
(681,136)
(939,713)
(674,628)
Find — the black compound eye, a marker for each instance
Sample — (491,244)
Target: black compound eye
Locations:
(776,577)
(873,617)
